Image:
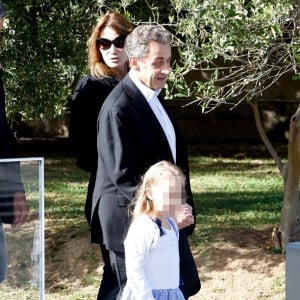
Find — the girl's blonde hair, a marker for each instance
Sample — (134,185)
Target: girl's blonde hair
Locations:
(142,204)
(96,64)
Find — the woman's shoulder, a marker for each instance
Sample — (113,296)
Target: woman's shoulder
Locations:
(89,81)
(90,88)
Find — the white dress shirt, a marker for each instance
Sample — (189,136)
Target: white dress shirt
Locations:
(158,110)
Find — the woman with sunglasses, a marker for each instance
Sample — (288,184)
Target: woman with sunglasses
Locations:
(108,64)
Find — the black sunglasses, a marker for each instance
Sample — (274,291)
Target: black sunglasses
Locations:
(105,44)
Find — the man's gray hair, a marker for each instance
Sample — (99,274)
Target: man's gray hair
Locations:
(137,42)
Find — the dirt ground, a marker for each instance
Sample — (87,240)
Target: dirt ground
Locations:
(244,268)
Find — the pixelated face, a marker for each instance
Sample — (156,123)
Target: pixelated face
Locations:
(168,195)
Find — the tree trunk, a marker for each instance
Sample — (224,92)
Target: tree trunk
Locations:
(266,141)
(289,229)
(290,215)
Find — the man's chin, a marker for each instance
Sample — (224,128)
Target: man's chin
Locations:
(160,86)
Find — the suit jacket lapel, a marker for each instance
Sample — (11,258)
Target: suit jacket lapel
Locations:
(141,105)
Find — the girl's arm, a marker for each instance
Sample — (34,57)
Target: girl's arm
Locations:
(137,246)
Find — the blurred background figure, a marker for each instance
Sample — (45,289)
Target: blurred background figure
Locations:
(13,205)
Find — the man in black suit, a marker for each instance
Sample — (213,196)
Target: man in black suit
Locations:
(13,205)
(134,132)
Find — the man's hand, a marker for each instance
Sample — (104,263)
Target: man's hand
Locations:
(21,210)
(185,216)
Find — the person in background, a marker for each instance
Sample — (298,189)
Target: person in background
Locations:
(151,245)
(134,132)
(108,64)
(12,192)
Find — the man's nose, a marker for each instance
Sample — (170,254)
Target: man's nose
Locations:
(166,70)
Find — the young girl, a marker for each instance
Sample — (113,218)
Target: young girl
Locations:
(151,245)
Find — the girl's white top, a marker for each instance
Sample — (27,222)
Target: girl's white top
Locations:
(152,260)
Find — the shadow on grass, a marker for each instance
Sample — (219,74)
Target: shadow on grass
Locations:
(227,165)
(209,203)
(244,215)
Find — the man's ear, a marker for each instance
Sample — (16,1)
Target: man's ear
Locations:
(133,63)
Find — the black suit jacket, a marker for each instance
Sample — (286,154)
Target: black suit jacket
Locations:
(8,144)
(87,100)
(130,139)
(10,180)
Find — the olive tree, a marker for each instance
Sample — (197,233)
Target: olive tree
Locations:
(226,52)
(43,51)
(238,50)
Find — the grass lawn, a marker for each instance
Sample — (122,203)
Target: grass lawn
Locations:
(234,194)
(233,197)
(228,193)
